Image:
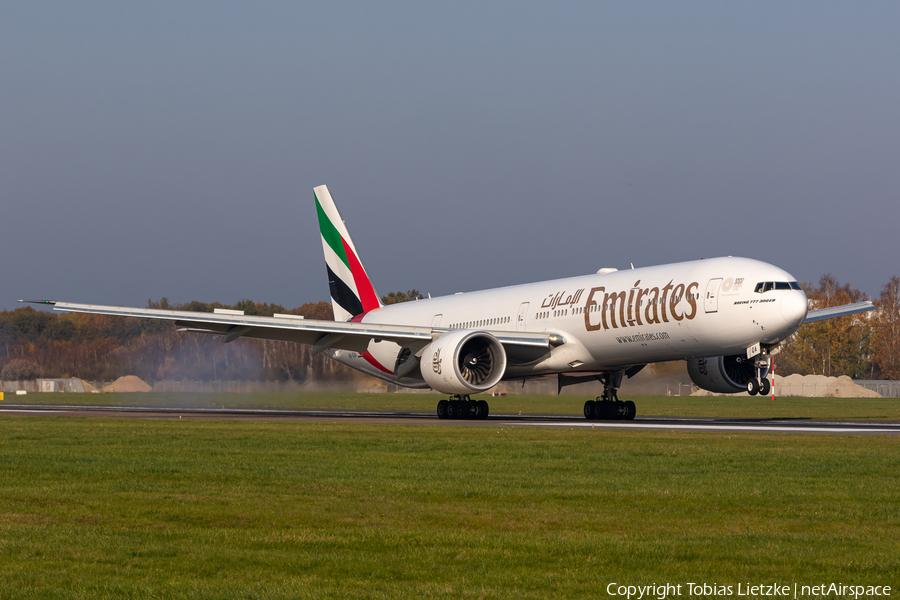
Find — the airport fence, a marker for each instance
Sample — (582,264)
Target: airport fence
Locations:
(11,387)
(75,385)
(802,389)
(888,389)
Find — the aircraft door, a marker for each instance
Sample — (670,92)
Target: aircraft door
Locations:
(522,316)
(712,295)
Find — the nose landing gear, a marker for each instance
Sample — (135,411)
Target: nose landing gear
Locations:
(758,384)
(761,387)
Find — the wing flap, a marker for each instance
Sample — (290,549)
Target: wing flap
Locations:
(305,331)
(348,335)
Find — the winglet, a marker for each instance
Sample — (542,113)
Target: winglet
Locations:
(352,292)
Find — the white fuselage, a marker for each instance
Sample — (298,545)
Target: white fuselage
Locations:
(613,320)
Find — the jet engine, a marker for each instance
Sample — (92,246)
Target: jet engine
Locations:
(723,374)
(463,362)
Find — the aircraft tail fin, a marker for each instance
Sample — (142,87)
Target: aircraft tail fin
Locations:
(352,292)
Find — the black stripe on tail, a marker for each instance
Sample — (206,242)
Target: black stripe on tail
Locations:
(343,295)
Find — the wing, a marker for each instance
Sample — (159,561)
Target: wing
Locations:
(289,328)
(838,311)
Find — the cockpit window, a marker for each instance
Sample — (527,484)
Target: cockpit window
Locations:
(766,286)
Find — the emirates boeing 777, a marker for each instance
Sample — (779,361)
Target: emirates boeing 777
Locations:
(725,316)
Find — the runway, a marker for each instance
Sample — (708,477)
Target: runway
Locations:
(787,426)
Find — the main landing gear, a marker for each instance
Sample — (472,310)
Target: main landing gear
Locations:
(462,407)
(608,407)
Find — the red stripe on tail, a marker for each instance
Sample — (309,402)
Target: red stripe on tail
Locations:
(366,292)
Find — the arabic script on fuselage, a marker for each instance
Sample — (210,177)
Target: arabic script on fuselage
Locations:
(560,299)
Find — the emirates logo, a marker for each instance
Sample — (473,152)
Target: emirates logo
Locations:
(436,362)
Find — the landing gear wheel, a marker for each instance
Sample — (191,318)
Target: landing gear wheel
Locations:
(462,407)
(752,387)
(476,410)
(589,408)
(605,411)
(465,410)
(483,409)
(630,410)
(764,387)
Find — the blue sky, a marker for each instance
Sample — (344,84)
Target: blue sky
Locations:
(170,149)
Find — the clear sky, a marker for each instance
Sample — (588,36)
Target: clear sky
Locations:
(153,149)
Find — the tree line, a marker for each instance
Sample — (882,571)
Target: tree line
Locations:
(35,343)
(863,346)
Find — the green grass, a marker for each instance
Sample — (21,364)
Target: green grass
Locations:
(663,406)
(203,509)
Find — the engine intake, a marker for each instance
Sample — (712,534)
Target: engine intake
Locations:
(463,362)
(723,374)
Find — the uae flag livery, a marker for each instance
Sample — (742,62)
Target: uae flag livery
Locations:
(352,293)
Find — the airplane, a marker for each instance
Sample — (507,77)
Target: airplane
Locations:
(726,317)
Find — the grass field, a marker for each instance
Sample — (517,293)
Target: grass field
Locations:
(99,508)
(664,406)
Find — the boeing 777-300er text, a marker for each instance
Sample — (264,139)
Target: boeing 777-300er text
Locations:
(725,316)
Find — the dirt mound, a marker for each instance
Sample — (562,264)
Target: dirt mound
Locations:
(845,388)
(129,383)
(821,386)
(813,386)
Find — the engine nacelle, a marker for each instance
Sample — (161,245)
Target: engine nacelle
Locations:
(463,362)
(723,374)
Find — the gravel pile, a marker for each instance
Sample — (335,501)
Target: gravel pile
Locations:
(811,386)
(129,383)
(820,386)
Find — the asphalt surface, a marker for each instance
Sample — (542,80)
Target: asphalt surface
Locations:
(792,426)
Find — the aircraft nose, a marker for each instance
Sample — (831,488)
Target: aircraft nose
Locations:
(794,306)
